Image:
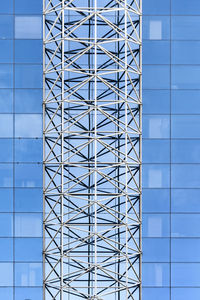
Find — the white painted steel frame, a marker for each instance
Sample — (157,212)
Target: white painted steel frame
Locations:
(92,149)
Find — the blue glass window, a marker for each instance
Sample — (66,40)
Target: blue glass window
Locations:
(6,8)
(156,200)
(6,76)
(6,249)
(6,200)
(156,77)
(155,274)
(6,53)
(28,51)
(156,151)
(6,125)
(6,275)
(6,175)
(28,274)
(28,7)
(156,52)
(185,293)
(28,125)
(28,225)
(156,27)
(156,7)
(6,225)
(184,7)
(180,50)
(185,274)
(156,101)
(6,106)
(6,293)
(6,150)
(28,76)
(28,200)
(156,176)
(156,225)
(180,99)
(185,151)
(28,150)
(181,198)
(186,126)
(156,250)
(28,27)
(156,293)
(186,27)
(156,126)
(6,27)
(28,293)
(28,249)
(185,176)
(185,225)
(183,250)
(28,175)
(28,101)
(180,80)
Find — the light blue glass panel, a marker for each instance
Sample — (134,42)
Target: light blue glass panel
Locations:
(185,225)
(28,293)
(28,175)
(6,53)
(6,293)
(28,150)
(28,200)
(185,200)
(6,150)
(185,176)
(28,7)
(180,52)
(156,101)
(156,27)
(180,100)
(6,7)
(155,293)
(6,175)
(185,274)
(155,200)
(6,27)
(28,51)
(6,225)
(155,274)
(156,225)
(185,7)
(28,27)
(28,101)
(6,249)
(185,250)
(28,274)
(156,176)
(28,249)
(156,52)
(6,106)
(156,151)
(6,200)
(156,7)
(6,274)
(6,125)
(156,77)
(28,225)
(187,126)
(6,76)
(186,27)
(185,293)
(156,126)
(28,76)
(181,80)
(28,125)
(185,151)
(156,250)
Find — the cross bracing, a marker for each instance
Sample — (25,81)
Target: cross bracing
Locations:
(92,149)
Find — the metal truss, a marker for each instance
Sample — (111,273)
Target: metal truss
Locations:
(92,149)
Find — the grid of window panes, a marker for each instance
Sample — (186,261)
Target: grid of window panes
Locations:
(171,149)
(21,149)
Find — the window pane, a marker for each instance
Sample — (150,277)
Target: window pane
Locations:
(28,125)
(156,176)
(6,106)
(28,7)
(28,150)
(28,225)
(6,27)
(156,52)
(28,200)
(185,274)
(156,200)
(6,275)
(6,225)
(156,7)
(180,50)
(28,51)
(28,27)
(28,101)
(6,53)
(28,76)
(156,250)
(6,175)
(156,28)
(185,7)
(6,249)
(185,151)
(6,8)
(6,76)
(6,293)
(180,81)
(183,250)
(28,175)
(28,293)
(185,293)
(186,126)
(156,77)
(156,126)
(156,101)
(6,125)
(186,28)
(186,225)
(185,176)
(180,102)
(156,151)
(156,225)
(6,150)
(6,200)
(155,274)
(181,198)
(155,293)
(28,274)
(28,249)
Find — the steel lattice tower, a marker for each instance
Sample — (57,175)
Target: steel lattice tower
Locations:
(92,149)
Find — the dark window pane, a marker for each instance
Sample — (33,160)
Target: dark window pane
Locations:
(28,225)
(156,7)
(185,176)
(156,28)
(6,76)
(156,126)
(185,275)
(6,249)
(156,225)
(28,249)
(156,77)
(28,125)
(156,293)
(181,81)
(28,76)
(28,51)
(28,150)
(28,175)
(156,52)
(6,150)
(28,27)
(6,225)
(28,274)
(183,250)
(156,200)
(156,249)
(156,151)
(6,27)
(180,100)
(186,126)
(185,151)
(185,293)
(185,7)
(28,101)
(155,274)
(6,200)
(6,106)
(156,101)
(186,28)
(6,275)
(28,293)
(6,53)
(181,198)
(28,7)
(28,200)
(6,175)
(156,176)
(186,225)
